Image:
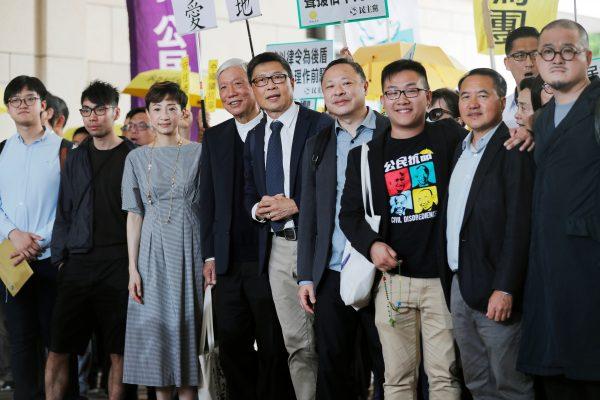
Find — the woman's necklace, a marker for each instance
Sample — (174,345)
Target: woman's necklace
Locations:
(173,177)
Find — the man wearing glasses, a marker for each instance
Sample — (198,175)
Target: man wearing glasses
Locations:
(521,46)
(137,128)
(90,245)
(29,185)
(560,341)
(272,162)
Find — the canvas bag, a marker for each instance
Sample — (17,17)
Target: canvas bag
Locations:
(212,385)
(358,273)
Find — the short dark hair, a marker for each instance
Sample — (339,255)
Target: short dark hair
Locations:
(398,66)
(166,90)
(268,56)
(79,130)
(344,61)
(519,33)
(450,97)
(101,93)
(499,82)
(584,38)
(535,84)
(24,82)
(135,111)
(59,106)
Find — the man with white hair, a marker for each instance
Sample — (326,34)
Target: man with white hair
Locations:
(243,303)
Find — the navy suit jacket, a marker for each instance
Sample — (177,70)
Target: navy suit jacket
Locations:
(308,124)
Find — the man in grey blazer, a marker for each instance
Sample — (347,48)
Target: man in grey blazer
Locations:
(321,241)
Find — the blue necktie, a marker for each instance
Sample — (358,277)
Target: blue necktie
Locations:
(274,168)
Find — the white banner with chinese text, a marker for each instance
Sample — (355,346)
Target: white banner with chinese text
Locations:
(194,15)
(240,10)
(313,13)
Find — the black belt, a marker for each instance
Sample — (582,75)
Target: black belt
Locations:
(290,234)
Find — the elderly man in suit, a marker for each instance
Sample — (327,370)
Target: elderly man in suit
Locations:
(244,308)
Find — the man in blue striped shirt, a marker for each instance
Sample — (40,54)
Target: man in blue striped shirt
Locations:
(29,182)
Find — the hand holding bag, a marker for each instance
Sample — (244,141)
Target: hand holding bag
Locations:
(358,273)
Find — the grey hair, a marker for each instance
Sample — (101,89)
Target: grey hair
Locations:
(232,62)
(584,39)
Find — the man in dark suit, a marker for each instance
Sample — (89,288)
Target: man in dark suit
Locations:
(487,235)
(272,162)
(321,241)
(243,304)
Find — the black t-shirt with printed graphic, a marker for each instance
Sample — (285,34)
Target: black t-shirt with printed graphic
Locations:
(412,190)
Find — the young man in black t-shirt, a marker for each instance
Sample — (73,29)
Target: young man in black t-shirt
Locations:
(409,168)
(90,245)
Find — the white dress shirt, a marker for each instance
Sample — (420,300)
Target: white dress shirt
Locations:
(510,110)
(288,119)
(243,129)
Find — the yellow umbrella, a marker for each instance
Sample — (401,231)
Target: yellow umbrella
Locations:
(3,108)
(441,70)
(140,85)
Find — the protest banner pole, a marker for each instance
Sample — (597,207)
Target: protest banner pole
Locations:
(250,38)
(199,58)
(487,24)
(344,38)
(575,9)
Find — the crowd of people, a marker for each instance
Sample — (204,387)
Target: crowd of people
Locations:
(487,251)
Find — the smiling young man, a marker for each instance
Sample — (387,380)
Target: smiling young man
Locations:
(243,305)
(487,222)
(90,245)
(560,341)
(321,241)
(520,48)
(409,300)
(273,186)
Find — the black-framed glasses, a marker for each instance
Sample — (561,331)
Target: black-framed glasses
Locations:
(264,80)
(566,53)
(547,88)
(140,126)
(16,102)
(394,94)
(435,114)
(520,56)
(99,110)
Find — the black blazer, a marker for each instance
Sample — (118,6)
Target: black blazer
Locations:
(443,137)
(319,191)
(217,175)
(308,123)
(494,237)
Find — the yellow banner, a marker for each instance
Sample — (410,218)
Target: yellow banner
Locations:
(185,78)
(508,15)
(211,86)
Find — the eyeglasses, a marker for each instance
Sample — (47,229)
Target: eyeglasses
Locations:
(264,80)
(16,102)
(395,94)
(140,126)
(520,56)
(100,110)
(566,53)
(435,114)
(547,88)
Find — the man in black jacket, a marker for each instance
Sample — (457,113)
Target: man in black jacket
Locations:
(560,340)
(90,245)
(321,241)
(243,304)
(487,233)
(272,164)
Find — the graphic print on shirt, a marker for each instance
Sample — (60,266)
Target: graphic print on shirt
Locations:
(411,184)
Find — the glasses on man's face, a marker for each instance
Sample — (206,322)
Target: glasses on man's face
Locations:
(435,114)
(520,56)
(264,80)
(16,102)
(566,53)
(394,94)
(547,88)
(140,126)
(100,110)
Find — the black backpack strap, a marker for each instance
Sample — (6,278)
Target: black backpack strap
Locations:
(321,142)
(597,120)
(2,144)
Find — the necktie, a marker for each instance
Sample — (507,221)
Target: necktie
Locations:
(274,168)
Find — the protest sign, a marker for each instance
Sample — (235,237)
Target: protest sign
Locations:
(240,10)
(313,13)
(194,15)
(308,61)
(211,86)
(594,69)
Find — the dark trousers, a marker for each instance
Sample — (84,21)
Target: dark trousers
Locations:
(336,330)
(245,313)
(28,316)
(561,388)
